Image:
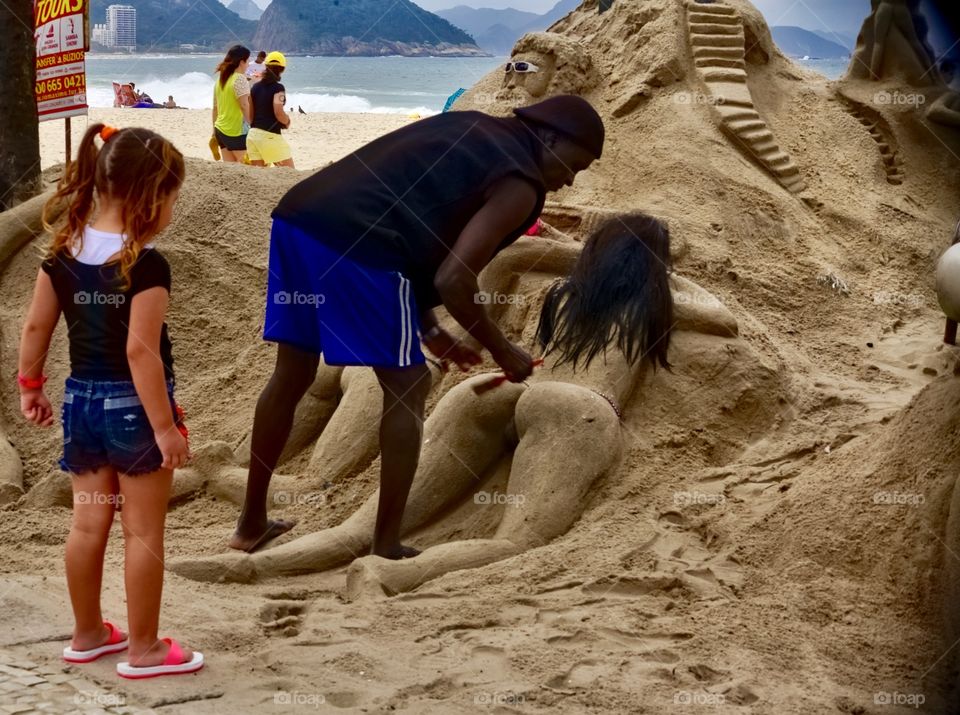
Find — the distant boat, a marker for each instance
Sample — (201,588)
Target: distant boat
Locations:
(805,58)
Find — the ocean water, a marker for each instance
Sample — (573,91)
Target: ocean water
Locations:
(832,69)
(402,85)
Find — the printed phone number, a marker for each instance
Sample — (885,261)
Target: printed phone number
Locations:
(60,84)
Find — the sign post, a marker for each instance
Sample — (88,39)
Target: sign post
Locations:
(61,80)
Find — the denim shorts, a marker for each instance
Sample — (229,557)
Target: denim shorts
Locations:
(104,424)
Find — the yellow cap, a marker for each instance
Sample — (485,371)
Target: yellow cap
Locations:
(276,58)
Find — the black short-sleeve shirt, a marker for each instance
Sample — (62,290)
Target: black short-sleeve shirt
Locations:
(97,312)
(401,202)
(264,117)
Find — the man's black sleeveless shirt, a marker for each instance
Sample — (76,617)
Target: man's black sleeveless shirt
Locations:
(400,202)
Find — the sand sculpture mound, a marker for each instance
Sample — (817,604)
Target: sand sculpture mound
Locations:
(726,535)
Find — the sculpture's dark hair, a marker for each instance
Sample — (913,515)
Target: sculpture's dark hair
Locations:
(618,293)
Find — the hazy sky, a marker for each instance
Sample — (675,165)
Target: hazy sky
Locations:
(528,5)
(841,15)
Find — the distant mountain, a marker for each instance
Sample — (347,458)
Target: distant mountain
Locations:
(497,30)
(559,11)
(797,42)
(360,28)
(167,24)
(847,39)
(477,20)
(846,16)
(247,9)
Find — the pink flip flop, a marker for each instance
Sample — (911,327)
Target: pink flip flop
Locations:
(115,643)
(173,664)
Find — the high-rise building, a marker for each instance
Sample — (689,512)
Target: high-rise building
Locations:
(101,35)
(122,26)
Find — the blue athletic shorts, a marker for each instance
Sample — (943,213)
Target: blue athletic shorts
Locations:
(104,424)
(324,303)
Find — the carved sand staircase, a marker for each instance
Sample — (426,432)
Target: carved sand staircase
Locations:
(719,54)
(880,132)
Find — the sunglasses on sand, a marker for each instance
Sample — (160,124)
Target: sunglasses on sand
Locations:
(521,67)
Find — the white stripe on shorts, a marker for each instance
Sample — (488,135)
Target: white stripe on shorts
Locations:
(411,333)
(403,321)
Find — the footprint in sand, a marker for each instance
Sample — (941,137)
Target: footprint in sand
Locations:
(683,558)
(282,619)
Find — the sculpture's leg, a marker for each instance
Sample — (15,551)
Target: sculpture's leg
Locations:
(463,437)
(11,472)
(349,441)
(313,412)
(569,436)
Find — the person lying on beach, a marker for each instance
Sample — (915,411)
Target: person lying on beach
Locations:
(362,251)
(122,431)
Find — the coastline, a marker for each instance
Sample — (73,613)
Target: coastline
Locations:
(316,139)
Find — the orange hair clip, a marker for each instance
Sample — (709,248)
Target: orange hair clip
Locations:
(108,132)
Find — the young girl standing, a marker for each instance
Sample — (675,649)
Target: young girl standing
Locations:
(122,437)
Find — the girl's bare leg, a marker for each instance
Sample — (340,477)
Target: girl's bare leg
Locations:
(94,503)
(144,515)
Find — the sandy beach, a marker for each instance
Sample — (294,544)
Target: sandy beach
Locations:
(775,528)
(316,139)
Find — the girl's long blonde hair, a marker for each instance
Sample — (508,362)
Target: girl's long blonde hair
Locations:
(136,167)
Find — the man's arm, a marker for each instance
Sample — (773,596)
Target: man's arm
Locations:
(509,203)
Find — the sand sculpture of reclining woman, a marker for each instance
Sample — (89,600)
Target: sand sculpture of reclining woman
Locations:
(563,429)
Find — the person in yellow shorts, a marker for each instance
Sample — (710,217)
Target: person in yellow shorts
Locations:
(265,143)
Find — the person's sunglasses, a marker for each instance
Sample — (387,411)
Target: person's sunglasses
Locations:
(521,67)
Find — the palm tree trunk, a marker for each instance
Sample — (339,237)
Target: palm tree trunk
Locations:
(19,137)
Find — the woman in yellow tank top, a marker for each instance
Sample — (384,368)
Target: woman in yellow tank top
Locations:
(231,104)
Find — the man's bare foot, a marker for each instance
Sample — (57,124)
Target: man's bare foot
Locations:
(395,553)
(251,539)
